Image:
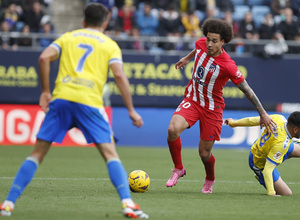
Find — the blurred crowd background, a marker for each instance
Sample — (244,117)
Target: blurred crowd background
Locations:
(264,27)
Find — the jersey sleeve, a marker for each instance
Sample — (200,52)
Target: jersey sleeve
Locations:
(58,43)
(250,121)
(276,153)
(116,54)
(268,177)
(234,73)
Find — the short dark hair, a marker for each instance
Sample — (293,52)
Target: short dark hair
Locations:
(95,14)
(294,119)
(218,26)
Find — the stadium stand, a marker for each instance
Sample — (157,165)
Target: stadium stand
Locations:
(259,12)
(239,12)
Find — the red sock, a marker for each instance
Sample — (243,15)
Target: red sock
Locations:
(175,150)
(210,168)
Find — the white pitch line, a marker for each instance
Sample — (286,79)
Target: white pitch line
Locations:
(156,180)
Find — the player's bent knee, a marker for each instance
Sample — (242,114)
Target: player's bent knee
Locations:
(173,133)
(205,155)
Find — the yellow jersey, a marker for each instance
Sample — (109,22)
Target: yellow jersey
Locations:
(272,147)
(268,147)
(85,56)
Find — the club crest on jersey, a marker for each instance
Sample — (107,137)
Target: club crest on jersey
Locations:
(212,68)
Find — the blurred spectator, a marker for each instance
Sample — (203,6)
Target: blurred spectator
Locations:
(108,3)
(289,26)
(28,3)
(126,19)
(210,12)
(6,41)
(5,3)
(46,29)
(137,44)
(267,28)
(146,21)
(296,7)
(33,16)
(121,38)
(278,6)
(191,24)
(12,14)
(276,48)
(200,5)
(235,25)
(162,4)
(225,5)
(184,6)
(25,40)
(170,26)
(247,29)
(170,22)
(111,23)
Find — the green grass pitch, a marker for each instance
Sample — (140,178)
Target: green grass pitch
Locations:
(72,183)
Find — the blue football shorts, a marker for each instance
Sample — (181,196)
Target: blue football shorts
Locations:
(275,173)
(64,115)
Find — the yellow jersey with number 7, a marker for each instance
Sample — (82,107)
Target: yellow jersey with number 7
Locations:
(85,56)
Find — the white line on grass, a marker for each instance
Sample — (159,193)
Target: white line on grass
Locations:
(158,180)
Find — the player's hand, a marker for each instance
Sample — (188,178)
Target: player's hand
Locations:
(136,119)
(226,122)
(267,121)
(45,98)
(181,63)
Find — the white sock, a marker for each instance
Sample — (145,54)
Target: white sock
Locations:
(129,202)
(10,203)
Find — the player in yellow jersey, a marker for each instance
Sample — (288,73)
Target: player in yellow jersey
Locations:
(85,58)
(271,149)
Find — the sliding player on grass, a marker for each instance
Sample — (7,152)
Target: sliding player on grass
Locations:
(203,99)
(271,149)
(85,57)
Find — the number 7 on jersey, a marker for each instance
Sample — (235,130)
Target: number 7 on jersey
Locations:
(88,50)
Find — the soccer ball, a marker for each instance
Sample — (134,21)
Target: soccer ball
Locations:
(139,181)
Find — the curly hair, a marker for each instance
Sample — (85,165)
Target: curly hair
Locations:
(217,26)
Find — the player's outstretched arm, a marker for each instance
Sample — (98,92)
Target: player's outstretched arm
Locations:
(265,119)
(183,61)
(124,88)
(48,55)
(243,122)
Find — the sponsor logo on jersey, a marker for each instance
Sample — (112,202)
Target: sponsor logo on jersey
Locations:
(178,109)
(238,74)
(198,75)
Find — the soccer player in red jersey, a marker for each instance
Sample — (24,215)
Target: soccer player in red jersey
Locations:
(203,99)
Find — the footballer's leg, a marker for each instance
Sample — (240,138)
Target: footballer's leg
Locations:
(119,178)
(24,176)
(176,126)
(208,160)
(282,188)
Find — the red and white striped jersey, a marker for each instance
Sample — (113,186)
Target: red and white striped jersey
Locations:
(210,74)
